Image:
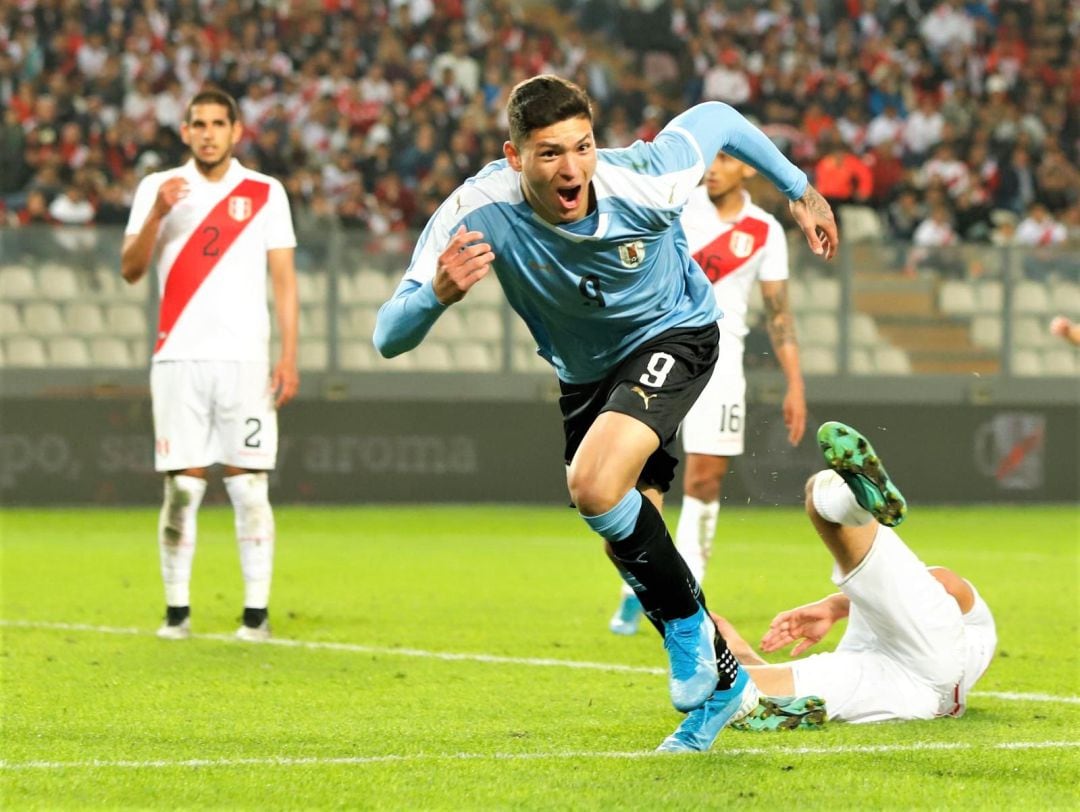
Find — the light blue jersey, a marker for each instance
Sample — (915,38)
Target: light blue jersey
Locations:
(593,290)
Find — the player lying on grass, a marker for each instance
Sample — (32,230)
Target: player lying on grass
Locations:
(918,637)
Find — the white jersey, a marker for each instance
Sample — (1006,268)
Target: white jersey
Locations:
(734,253)
(212,265)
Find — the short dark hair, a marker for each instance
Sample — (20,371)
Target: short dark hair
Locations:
(214,95)
(542,101)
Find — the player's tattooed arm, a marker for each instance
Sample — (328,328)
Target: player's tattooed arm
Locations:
(778,319)
(815,217)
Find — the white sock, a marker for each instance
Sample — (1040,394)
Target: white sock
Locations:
(176,535)
(254,534)
(834,501)
(694,533)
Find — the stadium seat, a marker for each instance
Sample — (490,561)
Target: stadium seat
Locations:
(1031,332)
(525,359)
(818,361)
(864,332)
(986,332)
(10,320)
(1030,297)
(358,322)
(140,352)
(58,282)
(891,361)
(365,286)
(312,354)
(1060,361)
(818,329)
(484,324)
(449,327)
(433,356)
(956,297)
(84,318)
(474,356)
(487,291)
(25,351)
(823,294)
(108,351)
(43,319)
(1065,297)
(798,295)
(755,304)
(126,320)
(406,362)
(311,287)
(356,355)
(1027,363)
(860,362)
(105,282)
(989,296)
(17,283)
(137,293)
(313,321)
(860,223)
(68,352)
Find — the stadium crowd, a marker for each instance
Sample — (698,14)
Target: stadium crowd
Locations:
(955,121)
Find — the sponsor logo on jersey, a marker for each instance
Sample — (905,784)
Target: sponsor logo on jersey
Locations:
(645,396)
(632,254)
(239,208)
(742,244)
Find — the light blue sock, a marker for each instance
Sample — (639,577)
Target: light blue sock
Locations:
(619,522)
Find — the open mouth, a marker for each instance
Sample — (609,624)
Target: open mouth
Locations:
(569,196)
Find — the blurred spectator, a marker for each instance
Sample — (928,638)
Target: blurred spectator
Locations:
(923,129)
(886,173)
(841,176)
(35,211)
(935,242)
(1016,188)
(1040,232)
(72,208)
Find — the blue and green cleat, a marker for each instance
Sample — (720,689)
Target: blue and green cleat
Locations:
(784,713)
(700,728)
(853,458)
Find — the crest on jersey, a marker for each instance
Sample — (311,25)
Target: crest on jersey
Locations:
(240,208)
(632,254)
(742,244)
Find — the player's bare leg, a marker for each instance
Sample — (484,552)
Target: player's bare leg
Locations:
(602,480)
(177,525)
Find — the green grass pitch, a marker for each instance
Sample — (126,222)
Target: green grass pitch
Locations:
(370,709)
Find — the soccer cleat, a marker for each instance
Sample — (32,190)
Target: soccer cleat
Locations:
(701,727)
(254,634)
(851,455)
(689,644)
(256,626)
(784,713)
(177,625)
(627,618)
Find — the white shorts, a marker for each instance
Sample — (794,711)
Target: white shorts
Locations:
(716,423)
(903,653)
(213,411)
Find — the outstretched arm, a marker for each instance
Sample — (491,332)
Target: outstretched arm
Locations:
(718,127)
(805,625)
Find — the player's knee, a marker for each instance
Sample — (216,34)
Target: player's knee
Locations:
(182,495)
(705,488)
(591,496)
(811,510)
(250,496)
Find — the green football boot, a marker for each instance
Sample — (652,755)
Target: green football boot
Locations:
(851,455)
(784,713)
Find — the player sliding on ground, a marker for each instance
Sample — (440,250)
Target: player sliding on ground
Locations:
(586,246)
(917,638)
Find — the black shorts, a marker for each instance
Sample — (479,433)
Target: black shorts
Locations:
(656,384)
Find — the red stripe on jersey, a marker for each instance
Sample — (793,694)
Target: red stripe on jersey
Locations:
(205,248)
(732,249)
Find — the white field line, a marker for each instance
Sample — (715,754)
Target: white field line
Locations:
(740,752)
(450,656)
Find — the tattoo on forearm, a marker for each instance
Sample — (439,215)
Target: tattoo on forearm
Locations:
(778,319)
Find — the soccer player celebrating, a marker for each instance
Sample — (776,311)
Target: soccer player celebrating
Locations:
(736,243)
(216,227)
(917,638)
(588,251)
